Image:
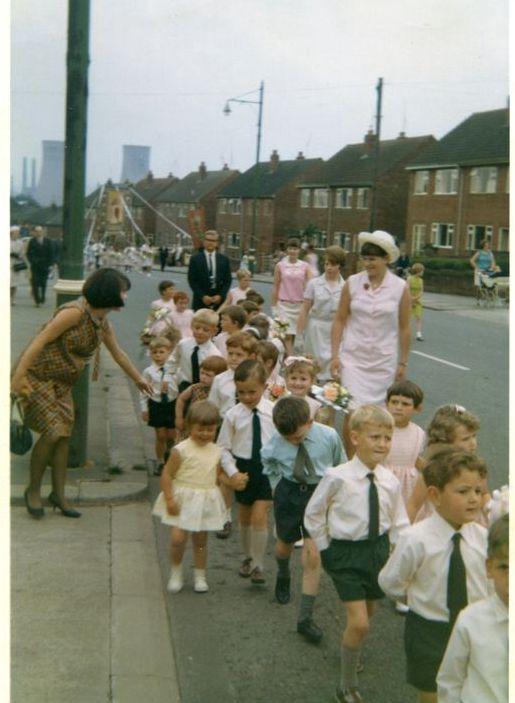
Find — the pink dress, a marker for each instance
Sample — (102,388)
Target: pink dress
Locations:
(291,291)
(237,294)
(183,320)
(370,346)
(407,444)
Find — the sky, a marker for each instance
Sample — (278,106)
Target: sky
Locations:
(161,71)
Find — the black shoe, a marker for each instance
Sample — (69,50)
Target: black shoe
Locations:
(282,589)
(309,630)
(36,513)
(225,532)
(351,695)
(67,512)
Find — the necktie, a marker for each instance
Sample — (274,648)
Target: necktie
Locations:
(195,369)
(373,508)
(210,267)
(456,581)
(256,436)
(164,396)
(303,468)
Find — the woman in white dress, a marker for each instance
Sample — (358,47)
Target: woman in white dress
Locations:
(17,255)
(321,299)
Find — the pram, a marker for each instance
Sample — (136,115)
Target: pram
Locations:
(487,293)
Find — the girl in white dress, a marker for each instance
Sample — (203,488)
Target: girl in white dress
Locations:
(190,500)
(240,291)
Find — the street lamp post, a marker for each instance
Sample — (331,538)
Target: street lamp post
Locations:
(227,111)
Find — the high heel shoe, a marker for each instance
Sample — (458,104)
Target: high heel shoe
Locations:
(67,512)
(36,513)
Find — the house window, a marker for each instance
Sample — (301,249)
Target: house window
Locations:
(233,240)
(182,210)
(305,197)
(363,194)
(476,234)
(483,179)
(442,234)
(234,206)
(344,240)
(343,198)
(320,197)
(421,182)
(418,239)
(320,239)
(222,206)
(503,241)
(446,181)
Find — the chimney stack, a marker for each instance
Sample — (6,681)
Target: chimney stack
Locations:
(274,160)
(150,176)
(300,156)
(370,140)
(402,135)
(202,170)
(225,168)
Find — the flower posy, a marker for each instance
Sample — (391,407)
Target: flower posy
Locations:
(336,394)
(279,327)
(275,391)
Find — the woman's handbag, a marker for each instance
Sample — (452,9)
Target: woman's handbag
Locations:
(21,436)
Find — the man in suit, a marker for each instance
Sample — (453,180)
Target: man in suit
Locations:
(41,255)
(209,274)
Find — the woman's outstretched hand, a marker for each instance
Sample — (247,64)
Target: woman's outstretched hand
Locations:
(21,386)
(335,368)
(144,386)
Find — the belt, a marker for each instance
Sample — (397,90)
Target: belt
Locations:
(291,302)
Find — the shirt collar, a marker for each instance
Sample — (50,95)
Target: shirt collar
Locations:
(500,608)
(359,468)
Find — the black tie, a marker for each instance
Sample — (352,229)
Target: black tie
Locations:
(303,467)
(373,507)
(164,396)
(456,581)
(195,370)
(256,436)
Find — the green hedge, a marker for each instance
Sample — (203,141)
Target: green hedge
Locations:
(463,265)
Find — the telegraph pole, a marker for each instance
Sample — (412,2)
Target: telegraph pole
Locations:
(373,208)
(71,265)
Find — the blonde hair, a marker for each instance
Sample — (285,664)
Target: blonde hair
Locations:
(173,335)
(202,412)
(205,316)
(417,268)
(370,415)
(242,340)
(242,273)
(304,365)
(447,418)
(160,342)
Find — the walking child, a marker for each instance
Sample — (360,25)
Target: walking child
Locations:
(438,564)
(268,354)
(191,351)
(416,289)
(182,316)
(300,374)
(232,320)
(190,500)
(245,429)
(475,664)
(295,459)
(351,516)
(211,366)
(157,410)
(240,291)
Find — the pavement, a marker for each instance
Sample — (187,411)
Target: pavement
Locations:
(89,613)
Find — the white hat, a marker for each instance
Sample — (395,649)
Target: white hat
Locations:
(383,240)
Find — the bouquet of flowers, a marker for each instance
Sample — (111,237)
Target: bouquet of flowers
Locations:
(275,391)
(156,315)
(333,394)
(499,505)
(279,328)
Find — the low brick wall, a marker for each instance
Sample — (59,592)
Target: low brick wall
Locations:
(449,282)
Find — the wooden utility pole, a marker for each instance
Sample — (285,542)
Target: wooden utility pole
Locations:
(373,208)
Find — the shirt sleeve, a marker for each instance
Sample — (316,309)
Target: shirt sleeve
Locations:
(400,520)
(309,293)
(214,395)
(225,443)
(175,358)
(399,570)
(315,515)
(453,669)
(271,467)
(339,456)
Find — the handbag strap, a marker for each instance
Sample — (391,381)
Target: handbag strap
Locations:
(16,408)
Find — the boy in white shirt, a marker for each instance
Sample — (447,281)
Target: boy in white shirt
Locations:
(438,564)
(232,320)
(350,516)
(475,665)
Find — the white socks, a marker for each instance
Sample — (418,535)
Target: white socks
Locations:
(258,541)
(245,532)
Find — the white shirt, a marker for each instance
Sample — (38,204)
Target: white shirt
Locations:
(211,256)
(324,295)
(338,509)
(419,566)
(223,391)
(156,375)
(235,437)
(221,342)
(475,666)
(180,360)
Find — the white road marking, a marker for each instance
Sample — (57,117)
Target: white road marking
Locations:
(442,361)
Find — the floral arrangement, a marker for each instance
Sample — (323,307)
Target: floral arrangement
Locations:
(332,393)
(279,328)
(156,315)
(275,391)
(499,504)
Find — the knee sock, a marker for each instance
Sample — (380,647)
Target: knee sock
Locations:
(283,566)
(258,540)
(245,532)
(306,606)
(228,515)
(349,662)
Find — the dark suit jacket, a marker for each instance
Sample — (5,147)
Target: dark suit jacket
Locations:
(198,278)
(40,255)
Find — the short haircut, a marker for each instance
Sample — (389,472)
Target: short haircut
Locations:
(293,242)
(262,324)
(369,249)
(499,538)
(300,365)
(448,464)
(214,364)
(418,268)
(180,295)
(242,273)
(250,369)
(289,414)
(248,306)
(202,412)
(159,342)
(447,418)
(103,288)
(254,296)
(172,334)
(205,316)
(370,415)
(267,351)
(211,232)
(242,340)
(335,255)
(407,389)
(163,285)
(236,314)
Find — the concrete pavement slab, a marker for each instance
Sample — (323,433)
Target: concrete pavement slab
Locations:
(151,689)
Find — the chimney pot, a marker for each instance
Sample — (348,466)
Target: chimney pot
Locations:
(402,135)
(300,156)
(202,170)
(274,160)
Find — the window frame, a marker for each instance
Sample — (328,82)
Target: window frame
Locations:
(472,243)
(480,186)
(418,234)
(317,192)
(338,198)
(425,174)
(360,192)
(435,229)
(305,197)
(507,231)
(453,181)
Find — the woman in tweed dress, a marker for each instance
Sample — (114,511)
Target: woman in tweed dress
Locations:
(52,363)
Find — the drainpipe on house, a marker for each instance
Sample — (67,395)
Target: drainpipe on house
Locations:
(461,185)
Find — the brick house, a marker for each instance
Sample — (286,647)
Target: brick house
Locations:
(191,204)
(274,186)
(149,188)
(459,189)
(334,204)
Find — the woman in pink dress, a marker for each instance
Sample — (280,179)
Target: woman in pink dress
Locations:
(290,279)
(374,319)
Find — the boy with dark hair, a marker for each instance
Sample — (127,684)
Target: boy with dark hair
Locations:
(232,320)
(295,459)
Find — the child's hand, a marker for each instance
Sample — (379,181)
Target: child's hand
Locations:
(144,416)
(239,481)
(164,387)
(172,506)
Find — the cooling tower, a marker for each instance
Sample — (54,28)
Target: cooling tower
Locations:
(50,186)
(24,184)
(136,163)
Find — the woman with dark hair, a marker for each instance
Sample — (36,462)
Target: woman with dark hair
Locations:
(46,371)
(483,262)
(374,318)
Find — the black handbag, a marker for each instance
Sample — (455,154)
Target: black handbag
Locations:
(20,435)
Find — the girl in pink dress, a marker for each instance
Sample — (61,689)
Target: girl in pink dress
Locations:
(290,279)
(182,316)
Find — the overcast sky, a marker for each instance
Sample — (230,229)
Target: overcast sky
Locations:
(161,71)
